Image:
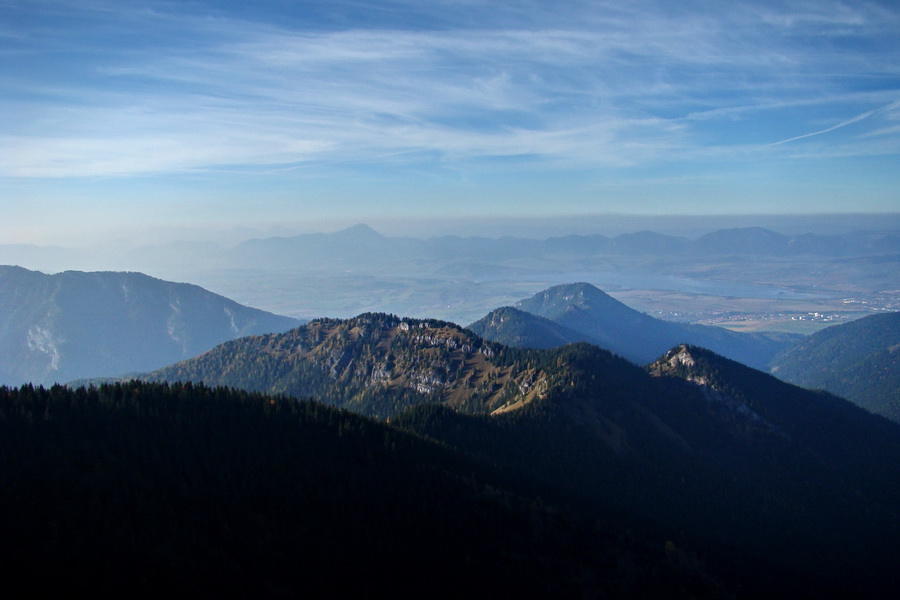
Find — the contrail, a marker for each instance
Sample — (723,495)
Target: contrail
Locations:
(859,117)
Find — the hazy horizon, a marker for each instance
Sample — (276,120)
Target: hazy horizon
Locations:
(441,117)
(495,226)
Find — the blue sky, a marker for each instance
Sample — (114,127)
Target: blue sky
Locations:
(117,115)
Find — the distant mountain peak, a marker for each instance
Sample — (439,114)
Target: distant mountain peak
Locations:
(746,231)
(502,315)
(580,294)
(637,336)
(359,230)
(514,327)
(578,287)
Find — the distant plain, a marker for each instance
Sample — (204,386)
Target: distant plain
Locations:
(460,279)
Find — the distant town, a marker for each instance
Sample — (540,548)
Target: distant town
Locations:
(840,310)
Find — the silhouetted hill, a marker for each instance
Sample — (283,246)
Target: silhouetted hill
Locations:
(859,360)
(638,336)
(152,490)
(55,328)
(513,327)
(733,463)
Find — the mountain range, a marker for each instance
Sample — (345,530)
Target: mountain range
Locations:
(55,328)
(859,360)
(747,485)
(363,242)
(581,312)
(357,241)
(721,455)
(87,325)
(460,279)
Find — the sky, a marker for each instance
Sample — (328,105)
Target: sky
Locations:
(118,116)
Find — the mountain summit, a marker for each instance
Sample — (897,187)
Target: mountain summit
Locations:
(514,327)
(637,336)
(360,230)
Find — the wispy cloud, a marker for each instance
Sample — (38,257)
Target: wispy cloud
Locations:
(585,85)
(845,123)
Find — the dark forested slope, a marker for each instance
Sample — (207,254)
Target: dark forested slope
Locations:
(143,490)
(859,360)
(721,455)
(729,459)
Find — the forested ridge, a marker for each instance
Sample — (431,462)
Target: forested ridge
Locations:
(859,360)
(568,471)
(154,488)
(753,468)
(374,364)
(720,455)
